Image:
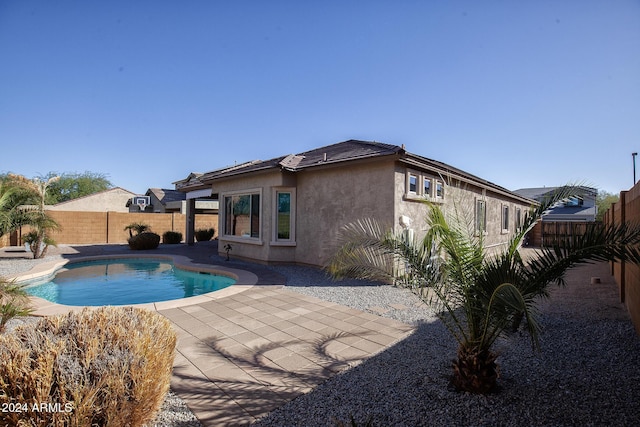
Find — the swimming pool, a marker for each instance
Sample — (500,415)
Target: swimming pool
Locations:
(124,281)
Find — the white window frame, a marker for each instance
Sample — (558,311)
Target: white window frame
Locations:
(417,180)
(518,219)
(243,239)
(483,229)
(430,181)
(435,183)
(275,240)
(504,218)
(419,193)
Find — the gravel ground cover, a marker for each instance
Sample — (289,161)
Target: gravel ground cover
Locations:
(587,372)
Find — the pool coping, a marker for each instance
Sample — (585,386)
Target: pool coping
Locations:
(42,307)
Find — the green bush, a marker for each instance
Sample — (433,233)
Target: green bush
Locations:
(172,237)
(204,235)
(109,366)
(14,302)
(146,240)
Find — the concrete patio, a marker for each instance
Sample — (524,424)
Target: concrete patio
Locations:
(243,356)
(245,352)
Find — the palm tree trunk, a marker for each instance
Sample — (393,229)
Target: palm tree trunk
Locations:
(475,370)
(517,320)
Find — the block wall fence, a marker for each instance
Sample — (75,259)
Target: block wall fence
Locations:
(627,275)
(109,227)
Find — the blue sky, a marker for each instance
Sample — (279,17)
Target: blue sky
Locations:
(521,93)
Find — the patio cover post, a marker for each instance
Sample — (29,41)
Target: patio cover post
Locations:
(191,221)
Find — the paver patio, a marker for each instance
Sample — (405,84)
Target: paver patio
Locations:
(245,355)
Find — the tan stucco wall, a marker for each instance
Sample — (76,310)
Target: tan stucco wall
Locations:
(114,200)
(460,200)
(333,197)
(325,199)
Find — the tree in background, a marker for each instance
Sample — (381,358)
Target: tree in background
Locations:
(36,217)
(6,193)
(71,186)
(12,196)
(604,201)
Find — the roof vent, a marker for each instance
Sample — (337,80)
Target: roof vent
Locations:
(324,157)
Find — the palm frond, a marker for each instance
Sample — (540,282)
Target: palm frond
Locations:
(363,252)
(505,302)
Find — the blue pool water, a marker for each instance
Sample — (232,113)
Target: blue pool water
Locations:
(125,281)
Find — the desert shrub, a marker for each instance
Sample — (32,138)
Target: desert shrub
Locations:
(138,227)
(100,367)
(204,235)
(145,240)
(14,302)
(172,237)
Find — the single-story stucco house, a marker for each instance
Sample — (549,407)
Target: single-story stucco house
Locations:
(290,209)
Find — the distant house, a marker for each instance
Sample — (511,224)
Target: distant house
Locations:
(111,200)
(163,200)
(290,209)
(580,208)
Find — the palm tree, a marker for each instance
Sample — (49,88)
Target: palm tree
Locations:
(6,191)
(479,296)
(38,239)
(138,227)
(14,302)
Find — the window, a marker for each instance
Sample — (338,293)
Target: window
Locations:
(481,216)
(505,218)
(574,201)
(518,219)
(426,187)
(284,217)
(421,186)
(242,215)
(413,184)
(439,189)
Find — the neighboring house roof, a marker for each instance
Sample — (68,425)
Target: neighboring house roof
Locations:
(573,211)
(166,196)
(111,198)
(341,152)
(562,211)
(193,177)
(539,193)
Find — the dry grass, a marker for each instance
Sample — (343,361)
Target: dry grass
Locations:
(100,367)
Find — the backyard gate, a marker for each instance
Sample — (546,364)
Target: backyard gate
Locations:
(560,232)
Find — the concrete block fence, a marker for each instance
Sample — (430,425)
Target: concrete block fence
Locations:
(109,227)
